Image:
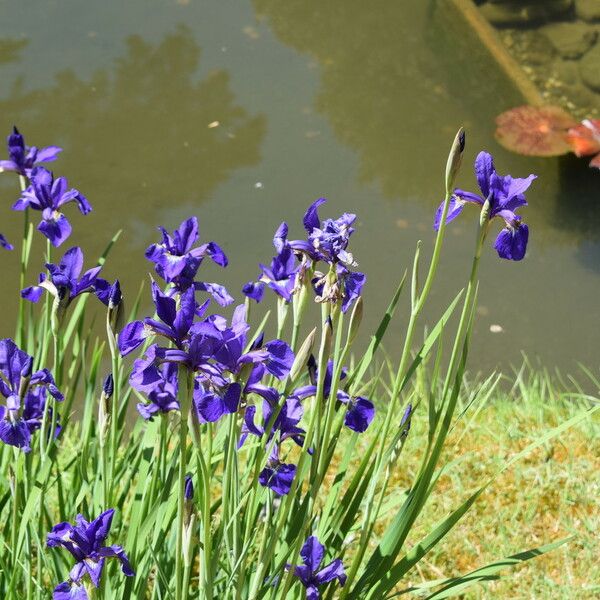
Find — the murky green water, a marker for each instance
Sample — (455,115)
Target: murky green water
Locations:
(350,100)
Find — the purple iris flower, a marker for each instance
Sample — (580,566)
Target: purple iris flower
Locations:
(85,541)
(212,340)
(22,158)
(360,411)
(212,350)
(160,383)
(286,422)
(310,574)
(64,281)
(329,239)
(25,393)
(177,261)
(280,276)
(49,195)
(174,322)
(276,475)
(505,195)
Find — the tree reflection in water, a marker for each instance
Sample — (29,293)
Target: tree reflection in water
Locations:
(137,134)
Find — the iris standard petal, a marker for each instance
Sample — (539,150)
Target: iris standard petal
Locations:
(484,168)
(311,216)
(312,553)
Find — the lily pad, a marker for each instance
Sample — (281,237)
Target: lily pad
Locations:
(535,131)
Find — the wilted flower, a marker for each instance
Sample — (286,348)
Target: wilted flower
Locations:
(503,195)
(342,285)
(25,393)
(49,195)
(22,158)
(85,541)
(312,554)
(177,261)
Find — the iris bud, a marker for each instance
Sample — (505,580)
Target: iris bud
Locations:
(115,296)
(104,412)
(108,386)
(115,308)
(405,421)
(454,160)
(188,519)
(303,355)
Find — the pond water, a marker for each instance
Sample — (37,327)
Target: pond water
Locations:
(354,101)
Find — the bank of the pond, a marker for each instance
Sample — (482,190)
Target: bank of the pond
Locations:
(557,44)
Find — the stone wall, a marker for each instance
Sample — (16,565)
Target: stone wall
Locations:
(557,43)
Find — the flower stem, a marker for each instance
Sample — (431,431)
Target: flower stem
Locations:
(185,384)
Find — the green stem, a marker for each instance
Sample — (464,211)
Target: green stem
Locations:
(185,384)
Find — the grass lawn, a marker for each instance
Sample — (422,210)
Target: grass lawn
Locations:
(551,494)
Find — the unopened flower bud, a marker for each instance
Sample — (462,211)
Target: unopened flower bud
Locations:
(302,356)
(454,160)
(189,518)
(104,409)
(406,420)
(115,296)
(258,342)
(115,308)
(108,386)
(189,487)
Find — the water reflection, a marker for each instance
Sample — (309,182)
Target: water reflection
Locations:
(396,100)
(131,131)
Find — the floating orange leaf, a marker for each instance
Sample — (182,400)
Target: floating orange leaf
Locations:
(535,131)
